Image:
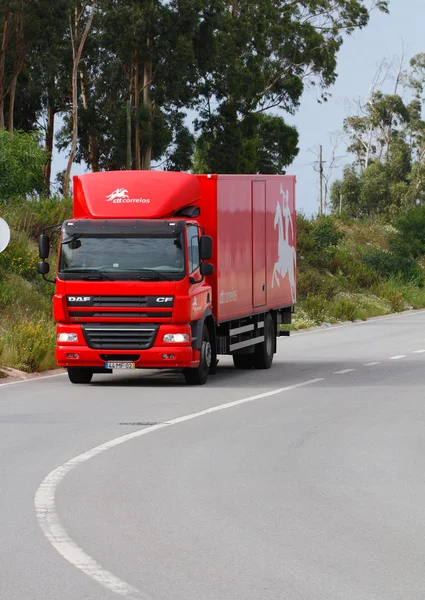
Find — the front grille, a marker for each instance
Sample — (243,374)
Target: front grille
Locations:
(121,301)
(121,315)
(132,336)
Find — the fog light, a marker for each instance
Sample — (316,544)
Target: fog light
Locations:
(165,356)
(171,356)
(67,337)
(177,338)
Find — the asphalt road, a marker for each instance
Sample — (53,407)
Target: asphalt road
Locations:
(316,491)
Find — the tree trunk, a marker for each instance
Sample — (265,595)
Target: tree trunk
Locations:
(12,95)
(50,132)
(19,63)
(93,148)
(147,104)
(137,148)
(5,40)
(76,62)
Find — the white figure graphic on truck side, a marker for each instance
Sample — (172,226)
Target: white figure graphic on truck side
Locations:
(287,257)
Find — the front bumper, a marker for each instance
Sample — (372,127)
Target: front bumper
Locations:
(160,356)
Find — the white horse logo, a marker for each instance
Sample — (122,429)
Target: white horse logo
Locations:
(287,256)
(119,193)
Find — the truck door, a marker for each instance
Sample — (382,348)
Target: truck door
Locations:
(259,289)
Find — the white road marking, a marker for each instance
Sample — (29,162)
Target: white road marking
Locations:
(45,502)
(372,364)
(398,357)
(344,371)
(32,379)
(418,351)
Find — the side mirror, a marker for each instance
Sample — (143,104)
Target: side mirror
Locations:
(43,268)
(206,269)
(44,246)
(74,245)
(205,247)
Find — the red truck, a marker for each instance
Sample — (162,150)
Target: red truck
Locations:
(166,270)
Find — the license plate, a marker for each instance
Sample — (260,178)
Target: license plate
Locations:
(120,365)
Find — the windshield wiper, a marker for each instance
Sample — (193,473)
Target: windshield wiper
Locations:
(96,274)
(155,274)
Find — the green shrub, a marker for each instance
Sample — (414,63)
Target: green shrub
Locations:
(19,257)
(393,263)
(409,240)
(20,298)
(315,307)
(326,233)
(312,281)
(28,346)
(345,309)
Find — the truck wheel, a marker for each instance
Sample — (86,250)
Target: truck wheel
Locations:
(243,361)
(199,376)
(263,355)
(80,375)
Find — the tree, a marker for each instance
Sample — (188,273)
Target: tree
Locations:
(258,144)
(157,39)
(371,135)
(79,37)
(388,141)
(21,164)
(256,56)
(345,193)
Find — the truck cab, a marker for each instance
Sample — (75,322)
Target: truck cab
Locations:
(129,292)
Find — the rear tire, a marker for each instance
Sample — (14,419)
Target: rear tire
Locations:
(80,374)
(243,361)
(199,375)
(263,355)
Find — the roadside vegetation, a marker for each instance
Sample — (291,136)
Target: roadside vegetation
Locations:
(353,270)
(27,332)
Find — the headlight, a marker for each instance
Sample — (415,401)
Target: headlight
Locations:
(67,337)
(177,338)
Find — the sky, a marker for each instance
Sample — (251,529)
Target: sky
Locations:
(386,37)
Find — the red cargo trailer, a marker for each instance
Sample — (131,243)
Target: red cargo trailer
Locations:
(169,270)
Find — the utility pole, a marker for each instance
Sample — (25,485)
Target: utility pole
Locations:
(340,204)
(320,181)
(129,160)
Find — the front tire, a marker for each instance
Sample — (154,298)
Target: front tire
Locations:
(199,375)
(263,355)
(80,375)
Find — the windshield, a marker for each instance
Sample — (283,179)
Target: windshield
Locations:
(123,257)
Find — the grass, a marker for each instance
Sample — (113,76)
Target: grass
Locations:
(27,331)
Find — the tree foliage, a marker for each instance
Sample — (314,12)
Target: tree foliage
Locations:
(21,164)
(387,140)
(147,63)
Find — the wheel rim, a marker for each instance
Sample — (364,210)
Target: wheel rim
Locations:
(207,354)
